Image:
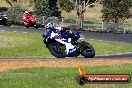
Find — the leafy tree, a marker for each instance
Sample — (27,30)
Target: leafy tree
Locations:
(130,3)
(3,9)
(47,8)
(66,5)
(14,13)
(69,5)
(115,11)
(18,1)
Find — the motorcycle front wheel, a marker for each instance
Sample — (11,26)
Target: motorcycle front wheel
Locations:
(57,50)
(27,26)
(5,22)
(36,26)
(88,51)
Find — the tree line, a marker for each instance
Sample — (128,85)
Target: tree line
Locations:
(116,11)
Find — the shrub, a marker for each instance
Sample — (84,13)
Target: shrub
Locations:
(15,12)
(47,8)
(2,9)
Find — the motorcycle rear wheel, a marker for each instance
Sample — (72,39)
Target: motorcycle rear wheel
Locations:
(56,52)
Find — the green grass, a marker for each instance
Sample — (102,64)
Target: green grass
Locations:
(110,47)
(59,77)
(21,45)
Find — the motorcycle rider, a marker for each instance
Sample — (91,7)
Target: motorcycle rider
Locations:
(26,17)
(66,34)
(61,30)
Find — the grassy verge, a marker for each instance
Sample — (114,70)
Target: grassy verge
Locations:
(59,77)
(21,45)
(108,47)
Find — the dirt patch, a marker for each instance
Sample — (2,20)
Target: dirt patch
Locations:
(14,64)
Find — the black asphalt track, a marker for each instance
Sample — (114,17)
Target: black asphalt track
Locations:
(92,35)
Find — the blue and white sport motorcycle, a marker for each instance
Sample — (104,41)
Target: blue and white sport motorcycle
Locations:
(62,43)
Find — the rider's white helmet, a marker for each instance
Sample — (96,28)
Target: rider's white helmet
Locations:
(26,12)
(50,25)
